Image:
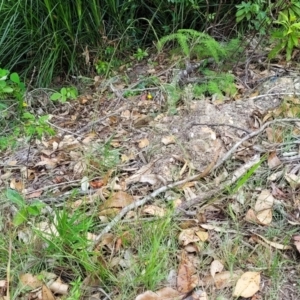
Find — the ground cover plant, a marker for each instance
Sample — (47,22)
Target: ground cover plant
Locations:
(173,175)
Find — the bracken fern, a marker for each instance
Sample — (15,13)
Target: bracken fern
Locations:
(195,43)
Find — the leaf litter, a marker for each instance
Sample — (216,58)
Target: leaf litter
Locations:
(122,150)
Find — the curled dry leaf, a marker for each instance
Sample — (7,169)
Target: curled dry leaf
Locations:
(261,240)
(247,285)
(188,236)
(216,267)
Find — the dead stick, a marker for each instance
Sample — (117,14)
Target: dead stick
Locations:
(212,166)
(143,201)
(249,136)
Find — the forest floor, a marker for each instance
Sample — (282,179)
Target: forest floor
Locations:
(130,201)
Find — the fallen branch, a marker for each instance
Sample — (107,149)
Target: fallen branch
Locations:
(212,193)
(162,189)
(212,166)
(249,136)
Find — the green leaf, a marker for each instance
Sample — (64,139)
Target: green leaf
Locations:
(15,197)
(7,90)
(28,116)
(55,96)
(20,217)
(34,210)
(63,91)
(14,77)
(240,13)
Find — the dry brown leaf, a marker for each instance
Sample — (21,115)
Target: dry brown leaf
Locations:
(31,281)
(274,135)
(296,239)
(97,183)
(167,140)
(119,199)
(154,210)
(188,236)
(222,280)
(91,136)
(212,227)
(264,216)
(79,167)
(273,160)
(17,185)
(34,194)
(137,176)
(143,143)
(264,201)
(46,293)
(152,179)
(186,270)
(58,287)
(203,235)
(166,293)
(216,267)
(247,285)
(251,217)
(293,180)
(49,163)
(276,192)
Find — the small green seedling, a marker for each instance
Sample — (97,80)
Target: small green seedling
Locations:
(65,94)
(24,210)
(140,54)
(102,67)
(36,126)
(287,35)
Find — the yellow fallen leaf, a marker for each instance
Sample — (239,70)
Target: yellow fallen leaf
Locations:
(247,285)
(265,216)
(203,235)
(143,143)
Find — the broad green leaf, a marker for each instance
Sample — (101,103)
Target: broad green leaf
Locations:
(55,96)
(63,91)
(15,197)
(14,77)
(20,217)
(7,89)
(33,210)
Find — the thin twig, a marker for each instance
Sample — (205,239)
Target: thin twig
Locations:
(249,136)
(212,193)
(215,125)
